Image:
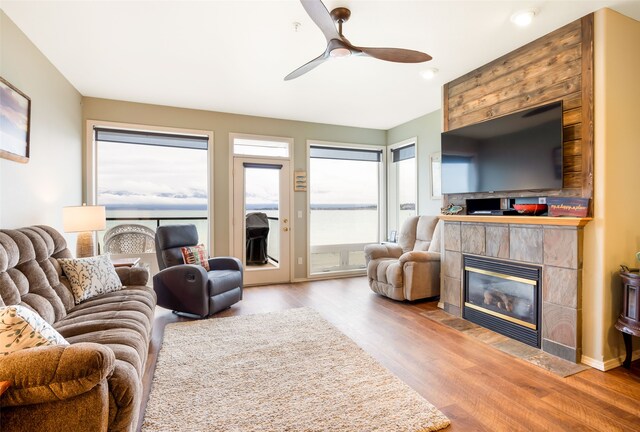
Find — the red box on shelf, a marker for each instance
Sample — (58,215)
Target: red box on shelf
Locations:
(575,207)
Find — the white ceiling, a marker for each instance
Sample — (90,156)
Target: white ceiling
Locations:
(232,56)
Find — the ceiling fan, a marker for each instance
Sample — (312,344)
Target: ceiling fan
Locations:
(339,46)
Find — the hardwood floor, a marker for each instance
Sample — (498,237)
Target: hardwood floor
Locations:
(478,387)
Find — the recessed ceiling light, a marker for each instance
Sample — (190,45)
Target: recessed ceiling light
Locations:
(429,73)
(524,17)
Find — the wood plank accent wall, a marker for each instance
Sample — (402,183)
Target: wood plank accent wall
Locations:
(558,66)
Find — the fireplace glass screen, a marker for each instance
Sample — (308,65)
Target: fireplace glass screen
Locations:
(508,297)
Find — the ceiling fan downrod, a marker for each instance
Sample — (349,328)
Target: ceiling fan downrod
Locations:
(340,15)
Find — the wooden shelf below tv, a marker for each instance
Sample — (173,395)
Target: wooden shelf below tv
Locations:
(523,220)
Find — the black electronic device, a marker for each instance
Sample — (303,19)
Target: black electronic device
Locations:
(515,152)
(501,212)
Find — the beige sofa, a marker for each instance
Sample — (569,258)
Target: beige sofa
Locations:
(409,270)
(93,384)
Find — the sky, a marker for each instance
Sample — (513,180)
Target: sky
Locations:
(166,176)
(151,175)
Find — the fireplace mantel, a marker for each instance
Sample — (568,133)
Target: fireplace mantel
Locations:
(552,243)
(522,220)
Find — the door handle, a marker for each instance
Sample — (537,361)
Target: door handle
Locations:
(285,229)
(285,220)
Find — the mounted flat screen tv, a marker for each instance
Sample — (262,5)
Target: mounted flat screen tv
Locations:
(516,152)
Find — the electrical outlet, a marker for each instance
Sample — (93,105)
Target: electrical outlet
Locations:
(542,200)
(299,214)
(299,260)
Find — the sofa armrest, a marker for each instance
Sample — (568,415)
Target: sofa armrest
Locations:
(225,263)
(54,373)
(133,275)
(375,251)
(419,256)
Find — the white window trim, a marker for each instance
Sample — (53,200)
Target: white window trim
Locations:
(90,193)
(382,200)
(392,185)
(235,135)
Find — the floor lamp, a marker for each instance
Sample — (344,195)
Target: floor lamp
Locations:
(84,220)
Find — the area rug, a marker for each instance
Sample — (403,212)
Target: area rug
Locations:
(282,371)
(535,356)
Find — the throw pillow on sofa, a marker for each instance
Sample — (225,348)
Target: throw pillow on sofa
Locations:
(90,277)
(195,255)
(22,328)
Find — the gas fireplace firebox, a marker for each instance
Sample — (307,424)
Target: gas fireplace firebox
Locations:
(504,297)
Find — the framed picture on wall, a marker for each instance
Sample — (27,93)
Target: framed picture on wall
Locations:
(435,160)
(15,122)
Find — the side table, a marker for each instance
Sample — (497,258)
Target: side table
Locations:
(125,262)
(629,320)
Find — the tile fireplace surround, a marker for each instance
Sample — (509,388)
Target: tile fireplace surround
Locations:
(554,244)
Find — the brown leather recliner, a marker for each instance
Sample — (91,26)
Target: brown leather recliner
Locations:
(188,288)
(409,270)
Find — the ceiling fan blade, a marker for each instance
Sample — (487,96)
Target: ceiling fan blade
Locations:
(398,55)
(320,15)
(307,67)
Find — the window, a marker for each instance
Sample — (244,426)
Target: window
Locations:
(402,184)
(344,203)
(270,147)
(151,178)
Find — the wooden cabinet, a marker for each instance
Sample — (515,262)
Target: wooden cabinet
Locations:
(629,320)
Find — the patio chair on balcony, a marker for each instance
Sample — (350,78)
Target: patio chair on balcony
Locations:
(129,239)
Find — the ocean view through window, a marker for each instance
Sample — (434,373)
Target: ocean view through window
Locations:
(402,185)
(152,179)
(344,203)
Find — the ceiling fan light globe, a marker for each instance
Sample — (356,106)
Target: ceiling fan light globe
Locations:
(340,52)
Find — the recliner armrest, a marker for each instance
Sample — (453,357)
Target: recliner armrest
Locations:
(375,251)
(183,286)
(54,373)
(225,263)
(419,256)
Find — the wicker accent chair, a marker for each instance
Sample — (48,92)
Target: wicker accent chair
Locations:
(129,239)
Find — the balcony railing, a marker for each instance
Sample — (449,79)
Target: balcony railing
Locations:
(324,258)
(154,222)
(333,258)
(273,240)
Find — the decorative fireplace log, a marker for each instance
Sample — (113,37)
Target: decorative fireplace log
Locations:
(499,299)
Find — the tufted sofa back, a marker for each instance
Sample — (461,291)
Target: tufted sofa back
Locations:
(30,274)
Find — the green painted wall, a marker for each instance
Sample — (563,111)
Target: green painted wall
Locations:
(427,129)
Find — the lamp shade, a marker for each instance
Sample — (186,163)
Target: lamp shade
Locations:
(84,218)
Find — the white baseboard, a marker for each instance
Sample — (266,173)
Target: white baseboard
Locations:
(609,364)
